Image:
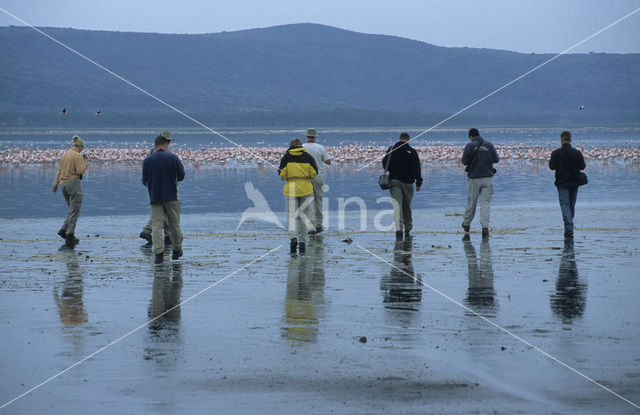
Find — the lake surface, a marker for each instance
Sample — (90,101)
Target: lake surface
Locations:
(585,136)
(116,189)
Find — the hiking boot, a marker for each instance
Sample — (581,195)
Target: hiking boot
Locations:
(302,247)
(176,254)
(485,232)
(146,237)
(70,240)
(62,233)
(466,228)
(159,258)
(294,245)
(399,235)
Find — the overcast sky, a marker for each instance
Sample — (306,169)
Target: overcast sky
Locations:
(519,25)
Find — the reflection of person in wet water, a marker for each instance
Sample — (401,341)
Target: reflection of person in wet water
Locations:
(480,294)
(569,300)
(400,287)
(69,297)
(304,296)
(165,296)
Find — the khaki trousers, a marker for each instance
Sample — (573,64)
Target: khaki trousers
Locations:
(401,196)
(318,183)
(479,189)
(72,192)
(165,211)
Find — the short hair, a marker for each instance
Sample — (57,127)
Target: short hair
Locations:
(474,132)
(404,137)
(295,142)
(161,140)
(565,137)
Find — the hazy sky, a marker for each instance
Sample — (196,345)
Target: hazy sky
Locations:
(525,26)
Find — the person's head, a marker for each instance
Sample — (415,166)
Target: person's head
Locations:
(404,137)
(163,140)
(565,137)
(311,135)
(295,142)
(473,133)
(77,143)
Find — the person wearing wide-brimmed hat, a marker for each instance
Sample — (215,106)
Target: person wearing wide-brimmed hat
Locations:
(161,172)
(72,165)
(319,154)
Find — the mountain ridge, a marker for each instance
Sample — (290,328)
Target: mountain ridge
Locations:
(282,74)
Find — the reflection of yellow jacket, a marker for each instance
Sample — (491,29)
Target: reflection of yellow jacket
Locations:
(297,167)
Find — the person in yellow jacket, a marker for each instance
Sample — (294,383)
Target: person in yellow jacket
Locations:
(298,167)
(72,165)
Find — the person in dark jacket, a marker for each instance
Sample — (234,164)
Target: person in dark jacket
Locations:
(146,230)
(403,164)
(567,162)
(479,156)
(161,172)
(298,167)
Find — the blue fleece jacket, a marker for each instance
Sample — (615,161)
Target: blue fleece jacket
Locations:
(161,172)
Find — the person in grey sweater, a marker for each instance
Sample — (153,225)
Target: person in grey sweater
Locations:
(479,157)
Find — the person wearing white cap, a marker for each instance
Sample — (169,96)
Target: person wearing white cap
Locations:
(72,165)
(319,154)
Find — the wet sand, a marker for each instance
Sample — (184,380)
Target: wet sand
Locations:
(287,335)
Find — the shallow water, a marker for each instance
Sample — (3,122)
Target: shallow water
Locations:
(117,189)
(337,330)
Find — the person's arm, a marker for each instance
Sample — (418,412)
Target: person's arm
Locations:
(417,171)
(145,173)
(552,161)
(326,158)
(581,164)
(180,168)
(494,155)
(465,154)
(80,164)
(56,181)
(385,160)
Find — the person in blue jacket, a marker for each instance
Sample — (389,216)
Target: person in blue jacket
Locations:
(161,172)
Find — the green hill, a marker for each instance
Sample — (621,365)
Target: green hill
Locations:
(300,74)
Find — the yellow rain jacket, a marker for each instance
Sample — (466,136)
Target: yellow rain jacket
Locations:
(297,167)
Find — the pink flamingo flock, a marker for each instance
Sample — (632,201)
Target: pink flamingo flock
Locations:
(346,155)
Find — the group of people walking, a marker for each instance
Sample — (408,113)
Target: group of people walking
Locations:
(302,169)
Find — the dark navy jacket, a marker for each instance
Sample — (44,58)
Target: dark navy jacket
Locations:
(480,165)
(404,164)
(567,162)
(161,172)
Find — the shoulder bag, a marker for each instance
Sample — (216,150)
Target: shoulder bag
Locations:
(385,181)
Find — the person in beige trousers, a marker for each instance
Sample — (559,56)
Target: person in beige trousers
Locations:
(69,177)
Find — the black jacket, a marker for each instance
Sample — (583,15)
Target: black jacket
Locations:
(404,164)
(567,162)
